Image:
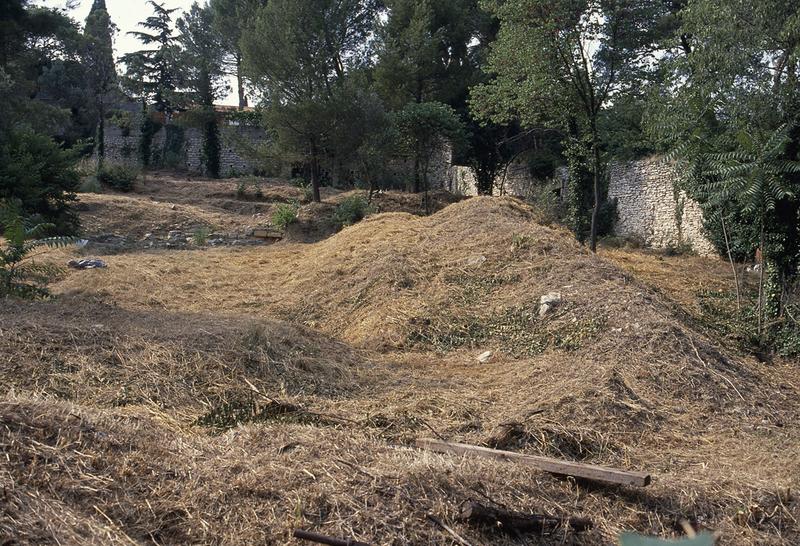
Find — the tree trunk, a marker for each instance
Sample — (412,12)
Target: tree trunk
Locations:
(417,181)
(240,82)
(101,132)
(427,187)
(315,175)
(370,183)
(761,285)
(596,174)
(733,265)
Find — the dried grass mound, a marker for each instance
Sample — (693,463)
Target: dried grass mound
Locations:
(182,363)
(304,421)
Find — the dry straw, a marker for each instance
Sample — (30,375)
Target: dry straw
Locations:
(123,395)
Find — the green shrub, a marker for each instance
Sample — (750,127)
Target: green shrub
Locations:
(308,193)
(284,215)
(87,166)
(118,177)
(90,184)
(351,211)
(20,276)
(200,235)
(41,176)
(545,199)
(249,182)
(123,120)
(241,189)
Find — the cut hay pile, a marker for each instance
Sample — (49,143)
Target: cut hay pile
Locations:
(124,395)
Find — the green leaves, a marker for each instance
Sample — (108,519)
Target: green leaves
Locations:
(20,276)
(155,74)
(423,128)
(755,174)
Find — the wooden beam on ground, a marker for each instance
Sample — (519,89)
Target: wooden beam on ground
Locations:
(553,466)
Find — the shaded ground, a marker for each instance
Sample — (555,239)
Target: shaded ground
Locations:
(168,209)
(233,394)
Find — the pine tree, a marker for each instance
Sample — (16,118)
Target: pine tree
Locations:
(301,53)
(231,18)
(155,74)
(426,51)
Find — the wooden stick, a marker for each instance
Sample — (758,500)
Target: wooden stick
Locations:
(322,539)
(458,538)
(553,466)
(475,512)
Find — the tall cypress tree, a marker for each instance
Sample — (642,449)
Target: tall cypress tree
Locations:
(98,56)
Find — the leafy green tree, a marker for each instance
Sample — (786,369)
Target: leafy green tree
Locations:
(41,77)
(376,142)
(729,111)
(559,63)
(299,54)
(423,127)
(98,60)
(35,171)
(755,178)
(428,51)
(433,51)
(202,56)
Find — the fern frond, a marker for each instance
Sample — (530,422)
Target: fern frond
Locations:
(49,242)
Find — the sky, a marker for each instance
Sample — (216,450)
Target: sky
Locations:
(126,14)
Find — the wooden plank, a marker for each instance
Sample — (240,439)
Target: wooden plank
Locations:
(553,466)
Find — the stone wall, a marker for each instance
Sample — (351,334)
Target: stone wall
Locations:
(651,208)
(122,146)
(401,168)
(516,180)
(461,180)
(231,162)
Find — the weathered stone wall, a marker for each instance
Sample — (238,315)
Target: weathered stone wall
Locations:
(651,208)
(401,168)
(461,180)
(122,146)
(516,180)
(231,162)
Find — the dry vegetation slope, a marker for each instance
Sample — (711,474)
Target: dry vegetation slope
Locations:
(356,345)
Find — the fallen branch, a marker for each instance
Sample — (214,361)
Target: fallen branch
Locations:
(458,538)
(508,521)
(322,539)
(553,466)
